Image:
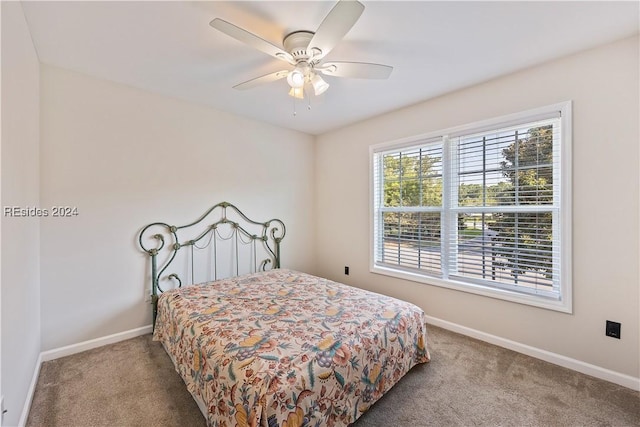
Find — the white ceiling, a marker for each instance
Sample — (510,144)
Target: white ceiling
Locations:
(434,47)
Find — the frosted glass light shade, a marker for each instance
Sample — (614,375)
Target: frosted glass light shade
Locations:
(297,92)
(295,79)
(319,85)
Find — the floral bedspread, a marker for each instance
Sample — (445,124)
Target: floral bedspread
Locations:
(283,348)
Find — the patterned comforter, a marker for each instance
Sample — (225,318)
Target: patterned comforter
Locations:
(283,348)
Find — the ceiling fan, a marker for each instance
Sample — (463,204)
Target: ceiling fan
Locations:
(305,51)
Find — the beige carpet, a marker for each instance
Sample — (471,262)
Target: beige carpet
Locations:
(467,383)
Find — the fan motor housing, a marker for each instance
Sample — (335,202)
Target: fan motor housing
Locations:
(296,44)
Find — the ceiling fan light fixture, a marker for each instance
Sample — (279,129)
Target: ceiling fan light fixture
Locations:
(297,92)
(319,85)
(305,52)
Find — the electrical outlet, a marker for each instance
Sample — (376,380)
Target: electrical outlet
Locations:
(346,270)
(147,295)
(613,329)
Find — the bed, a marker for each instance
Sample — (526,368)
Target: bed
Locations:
(273,346)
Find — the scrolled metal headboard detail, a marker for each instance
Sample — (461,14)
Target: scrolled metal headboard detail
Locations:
(269,234)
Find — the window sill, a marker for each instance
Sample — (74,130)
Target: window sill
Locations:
(563,305)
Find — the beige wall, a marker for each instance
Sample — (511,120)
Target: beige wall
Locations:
(20,259)
(603,85)
(126,158)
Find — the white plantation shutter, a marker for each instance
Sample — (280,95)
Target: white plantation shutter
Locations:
(479,207)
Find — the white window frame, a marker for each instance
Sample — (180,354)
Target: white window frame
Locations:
(565,301)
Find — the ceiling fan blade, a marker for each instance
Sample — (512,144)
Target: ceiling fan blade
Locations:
(251,39)
(335,26)
(358,70)
(267,78)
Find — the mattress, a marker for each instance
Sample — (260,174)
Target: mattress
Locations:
(284,348)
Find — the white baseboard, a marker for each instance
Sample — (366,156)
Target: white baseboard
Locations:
(68,350)
(30,392)
(557,359)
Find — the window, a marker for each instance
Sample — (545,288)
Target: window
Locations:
(483,208)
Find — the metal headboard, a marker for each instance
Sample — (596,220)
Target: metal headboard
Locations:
(269,235)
